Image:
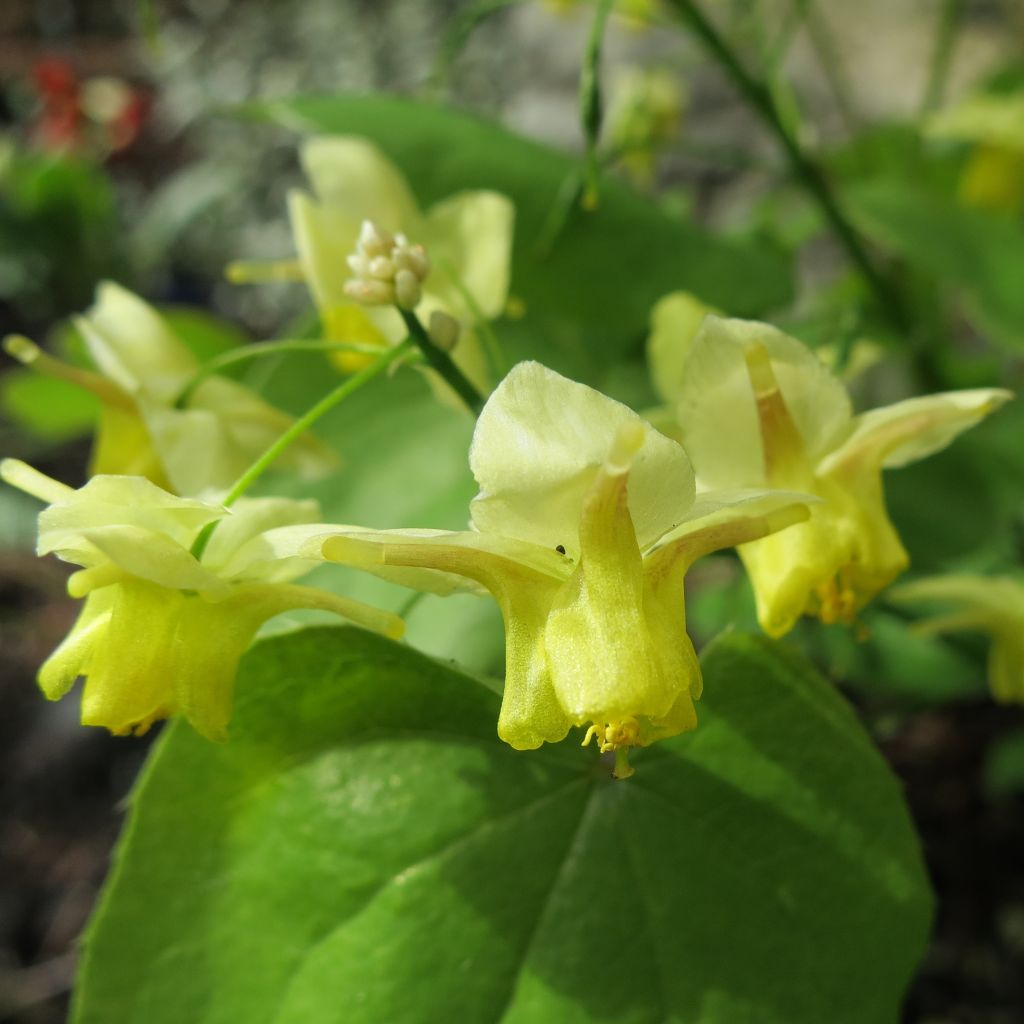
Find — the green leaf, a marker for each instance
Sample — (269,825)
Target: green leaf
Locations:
(46,407)
(365,850)
(206,334)
(976,251)
(607,267)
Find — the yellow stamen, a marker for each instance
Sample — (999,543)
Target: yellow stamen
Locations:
(614,736)
(837,601)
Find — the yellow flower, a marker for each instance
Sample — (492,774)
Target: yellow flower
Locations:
(986,604)
(994,175)
(160,632)
(467,237)
(583,529)
(144,368)
(757,408)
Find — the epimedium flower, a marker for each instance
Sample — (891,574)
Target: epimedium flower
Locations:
(200,444)
(675,321)
(161,632)
(758,409)
(993,123)
(583,529)
(987,604)
(468,238)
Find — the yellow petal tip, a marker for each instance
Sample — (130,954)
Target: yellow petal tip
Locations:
(21,348)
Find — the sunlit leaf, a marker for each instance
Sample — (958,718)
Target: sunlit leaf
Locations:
(365,850)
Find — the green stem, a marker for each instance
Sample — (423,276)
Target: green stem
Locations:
(809,174)
(442,363)
(259,349)
(299,427)
(591,103)
(942,54)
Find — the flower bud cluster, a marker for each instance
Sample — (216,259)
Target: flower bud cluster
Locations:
(386,269)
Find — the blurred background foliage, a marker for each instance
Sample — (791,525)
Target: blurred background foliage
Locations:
(154,142)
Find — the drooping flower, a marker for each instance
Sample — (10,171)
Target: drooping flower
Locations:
(993,177)
(583,530)
(468,238)
(201,444)
(985,604)
(759,409)
(161,632)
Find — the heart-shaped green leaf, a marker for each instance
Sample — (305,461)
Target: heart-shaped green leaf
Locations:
(364,849)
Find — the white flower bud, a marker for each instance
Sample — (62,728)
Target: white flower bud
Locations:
(374,240)
(371,293)
(444,330)
(358,264)
(386,269)
(407,289)
(412,258)
(380,268)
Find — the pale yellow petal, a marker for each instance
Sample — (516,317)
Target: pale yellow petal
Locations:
(537,448)
(127,679)
(531,713)
(718,412)
(469,235)
(134,346)
(351,175)
(240,534)
(225,428)
(324,238)
(725,519)
(442,562)
(123,447)
(996,597)
(606,663)
(71,659)
(675,321)
(121,501)
(154,557)
(895,435)
(833,564)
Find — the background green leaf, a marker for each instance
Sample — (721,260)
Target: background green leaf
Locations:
(365,850)
(977,252)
